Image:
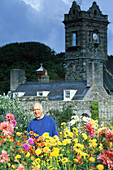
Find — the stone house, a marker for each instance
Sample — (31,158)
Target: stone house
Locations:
(86,78)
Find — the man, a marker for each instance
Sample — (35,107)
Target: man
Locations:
(41,123)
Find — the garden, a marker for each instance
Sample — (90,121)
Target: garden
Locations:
(84,145)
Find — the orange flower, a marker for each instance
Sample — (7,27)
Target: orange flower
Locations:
(18,143)
(24,137)
(40,138)
(35,135)
(31,132)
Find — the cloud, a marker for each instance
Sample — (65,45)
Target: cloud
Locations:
(36,4)
(41,21)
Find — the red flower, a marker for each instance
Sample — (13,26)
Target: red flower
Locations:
(10,117)
(109,135)
(79,160)
(90,130)
(106,158)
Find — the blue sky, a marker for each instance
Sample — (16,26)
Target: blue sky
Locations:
(41,21)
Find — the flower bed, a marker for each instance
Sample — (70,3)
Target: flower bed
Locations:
(88,147)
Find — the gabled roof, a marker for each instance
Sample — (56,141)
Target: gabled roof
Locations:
(56,89)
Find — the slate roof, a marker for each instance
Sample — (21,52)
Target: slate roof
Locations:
(108,75)
(55,87)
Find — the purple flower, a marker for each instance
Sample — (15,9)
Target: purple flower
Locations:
(31,141)
(14,123)
(26,146)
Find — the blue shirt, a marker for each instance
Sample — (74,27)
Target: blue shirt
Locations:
(39,126)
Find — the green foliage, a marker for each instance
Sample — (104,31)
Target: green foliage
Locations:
(95,110)
(61,116)
(29,56)
(22,115)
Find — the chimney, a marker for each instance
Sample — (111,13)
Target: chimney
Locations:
(17,77)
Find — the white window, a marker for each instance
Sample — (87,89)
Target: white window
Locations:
(74,39)
(69,94)
(18,94)
(42,93)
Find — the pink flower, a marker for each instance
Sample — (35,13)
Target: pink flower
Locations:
(10,117)
(106,158)
(90,130)
(109,135)
(3,157)
(26,146)
(20,167)
(7,128)
(14,123)
(31,141)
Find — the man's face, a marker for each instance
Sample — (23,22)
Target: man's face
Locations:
(37,110)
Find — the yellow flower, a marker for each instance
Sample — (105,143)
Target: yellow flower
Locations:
(63,124)
(11,148)
(56,149)
(17,157)
(84,136)
(100,167)
(94,145)
(56,137)
(64,160)
(66,141)
(70,134)
(59,143)
(32,158)
(37,160)
(13,166)
(38,152)
(79,146)
(92,159)
(100,147)
(18,133)
(75,130)
(55,152)
(109,144)
(9,164)
(76,140)
(84,155)
(45,135)
(48,144)
(27,155)
(46,149)
(75,160)
(77,151)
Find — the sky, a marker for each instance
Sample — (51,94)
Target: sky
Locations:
(41,21)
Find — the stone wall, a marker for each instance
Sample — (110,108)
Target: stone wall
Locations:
(78,107)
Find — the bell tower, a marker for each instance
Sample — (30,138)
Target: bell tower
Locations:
(85,44)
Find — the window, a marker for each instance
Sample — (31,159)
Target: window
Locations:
(90,37)
(18,94)
(42,93)
(95,12)
(69,94)
(74,67)
(74,39)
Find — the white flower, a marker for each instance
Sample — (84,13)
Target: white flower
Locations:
(72,122)
(76,118)
(86,119)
